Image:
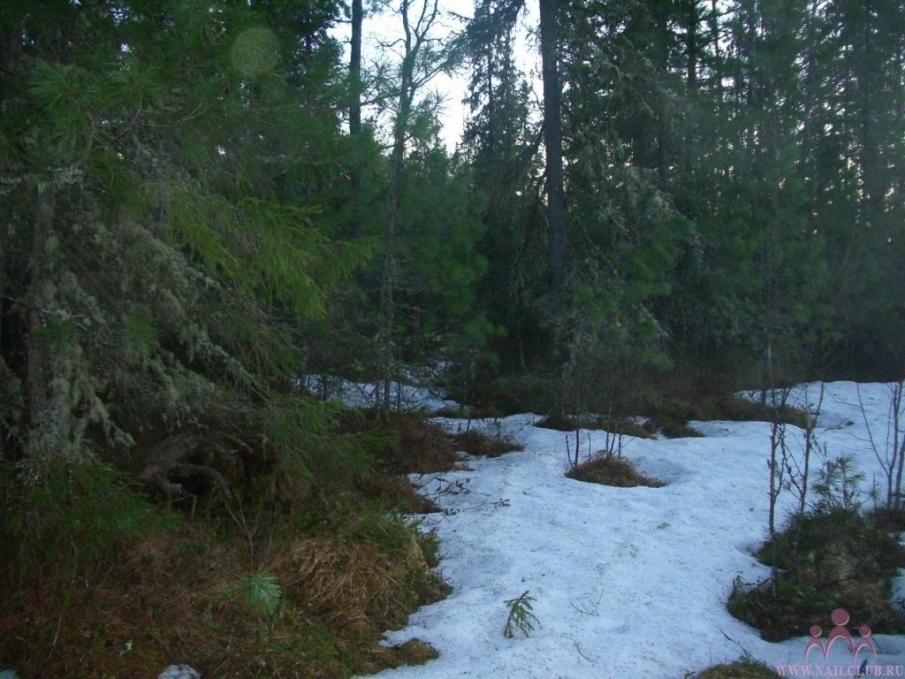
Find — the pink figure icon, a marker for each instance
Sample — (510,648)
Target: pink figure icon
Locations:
(840,619)
(864,642)
(815,641)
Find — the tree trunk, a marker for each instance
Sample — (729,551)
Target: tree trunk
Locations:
(556,201)
(355,70)
(39,298)
(717,54)
(388,281)
(660,15)
(691,44)
(872,190)
(10,53)
(4,234)
(355,103)
(416,37)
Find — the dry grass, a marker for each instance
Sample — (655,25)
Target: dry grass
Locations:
(173,589)
(397,492)
(414,652)
(743,669)
(143,613)
(342,568)
(478,443)
(611,470)
(405,443)
(671,408)
(423,447)
(176,598)
(357,586)
(623,425)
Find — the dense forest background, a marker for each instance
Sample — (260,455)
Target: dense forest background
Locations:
(199,209)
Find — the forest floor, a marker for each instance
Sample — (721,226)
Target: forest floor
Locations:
(625,581)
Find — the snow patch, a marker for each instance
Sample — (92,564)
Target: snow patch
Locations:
(405,397)
(627,582)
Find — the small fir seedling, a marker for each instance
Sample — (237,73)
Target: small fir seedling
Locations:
(521,616)
(839,485)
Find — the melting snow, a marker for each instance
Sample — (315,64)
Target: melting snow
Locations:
(627,582)
(406,397)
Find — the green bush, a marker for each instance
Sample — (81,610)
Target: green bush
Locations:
(823,561)
(74,516)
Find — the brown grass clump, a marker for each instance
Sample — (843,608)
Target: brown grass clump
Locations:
(743,669)
(357,586)
(403,443)
(478,443)
(623,425)
(611,470)
(423,447)
(671,408)
(177,597)
(415,652)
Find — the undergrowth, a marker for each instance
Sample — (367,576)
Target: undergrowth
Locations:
(624,425)
(670,401)
(100,578)
(670,413)
(825,560)
(611,470)
(742,669)
(402,443)
(477,442)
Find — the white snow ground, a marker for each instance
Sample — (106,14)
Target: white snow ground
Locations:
(364,395)
(628,582)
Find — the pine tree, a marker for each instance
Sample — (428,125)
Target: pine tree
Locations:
(157,263)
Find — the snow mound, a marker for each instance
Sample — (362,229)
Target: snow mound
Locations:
(179,672)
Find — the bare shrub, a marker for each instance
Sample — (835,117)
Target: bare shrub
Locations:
(890,453)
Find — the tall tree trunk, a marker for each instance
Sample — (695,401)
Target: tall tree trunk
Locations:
(556,199)
(872,191)
(660,16)
(717,53)
(388,281)
(898,148)
(491,105)
(355,70)
(355,85)
(812,117)
(4,237)
(39,298)
(691,44)
(355,98)
(411,77)
(10,53)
